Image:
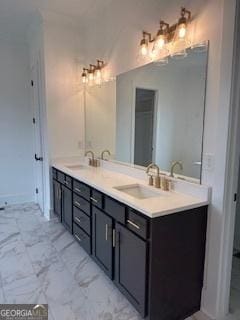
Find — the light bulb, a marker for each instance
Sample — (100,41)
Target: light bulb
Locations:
(160,42)
(98,74)
(84,76)
(144,47)
(90,76)
(153,53)
(144,50)
(182,31)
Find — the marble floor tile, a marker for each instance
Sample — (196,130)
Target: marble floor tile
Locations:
(15,267)
(42,263)
(24,290)
(2,297)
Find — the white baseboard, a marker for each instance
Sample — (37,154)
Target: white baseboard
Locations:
(16,199)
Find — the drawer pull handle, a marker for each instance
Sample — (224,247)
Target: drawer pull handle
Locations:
(133,224)
(114,238)
(94,200)
(77,219)
(66,182)
(77,237)
(106,232)
(78,190)
(78,204)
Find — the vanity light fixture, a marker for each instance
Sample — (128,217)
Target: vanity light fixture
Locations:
(144,43)
(183,21)
(166,34)
(162,35)
(98,72)
(93,74)
(84,76)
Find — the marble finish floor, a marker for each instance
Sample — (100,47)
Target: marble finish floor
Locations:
(40,262)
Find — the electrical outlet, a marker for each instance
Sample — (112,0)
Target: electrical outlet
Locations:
(208,161)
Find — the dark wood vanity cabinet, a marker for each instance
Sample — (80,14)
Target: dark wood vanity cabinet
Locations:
(62,198)
(57,202)
(67,208)
(131,267)
(102,240)
(157,263)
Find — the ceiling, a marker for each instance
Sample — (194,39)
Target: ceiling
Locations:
(16,15)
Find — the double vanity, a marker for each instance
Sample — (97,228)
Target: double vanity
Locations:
(149,242)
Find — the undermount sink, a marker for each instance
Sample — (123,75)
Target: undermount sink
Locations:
(76,167)
(138,191)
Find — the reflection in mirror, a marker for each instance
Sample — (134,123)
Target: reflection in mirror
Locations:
(154,113)
(100,118)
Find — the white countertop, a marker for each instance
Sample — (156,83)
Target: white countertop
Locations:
(167,202)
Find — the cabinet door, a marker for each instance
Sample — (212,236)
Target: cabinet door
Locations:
(67,208)
(130,267)
(57,203)
(102,240)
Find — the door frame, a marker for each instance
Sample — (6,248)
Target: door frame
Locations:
(47,205)
(155,120)
(231,175)
(38,140)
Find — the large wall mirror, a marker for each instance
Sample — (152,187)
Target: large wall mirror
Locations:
(154,113)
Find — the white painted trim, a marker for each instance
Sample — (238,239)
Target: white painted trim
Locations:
(45,148)
(231,176)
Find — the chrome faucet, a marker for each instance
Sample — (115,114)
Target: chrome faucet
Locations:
(174,164)
(157,180)
(91,160)
(105,151)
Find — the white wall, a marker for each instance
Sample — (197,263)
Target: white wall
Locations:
(16,128)
(64,95)
(119,46)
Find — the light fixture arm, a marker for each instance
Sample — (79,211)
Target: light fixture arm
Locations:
(185,12)
(149,35)
(164,24)
(100,64)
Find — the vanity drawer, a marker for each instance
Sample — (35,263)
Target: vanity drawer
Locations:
(68,182)
(115,209)
(137,223)
(82,238)
(97,199)
(60,177)
(81,189)
(82,204)
(54,173)
(81,219)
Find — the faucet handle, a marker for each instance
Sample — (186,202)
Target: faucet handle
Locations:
(150,180)
(157,181)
